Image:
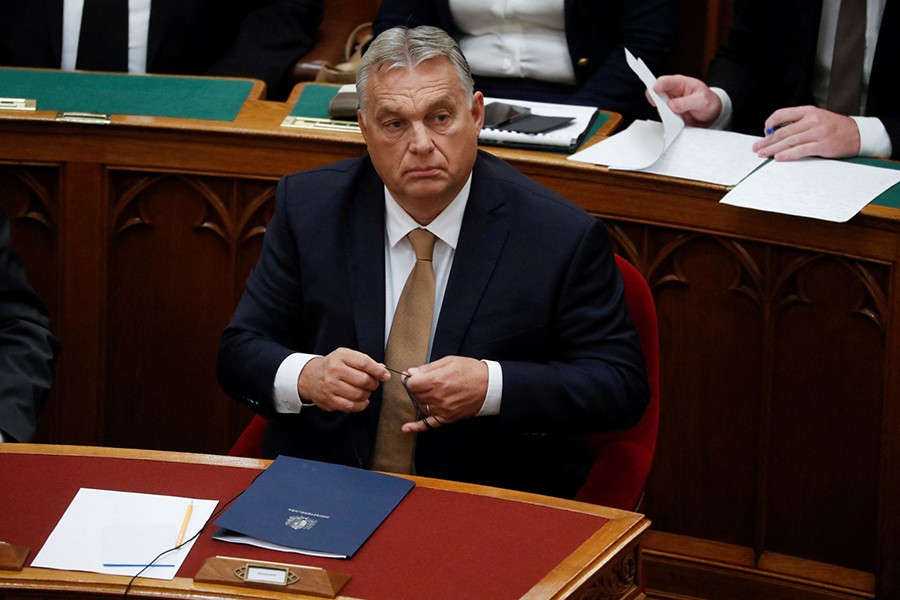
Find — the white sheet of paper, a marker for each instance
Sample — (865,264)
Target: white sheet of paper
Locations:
(721,157)
(824,189)
(635,148)
(672,123)
(101,528)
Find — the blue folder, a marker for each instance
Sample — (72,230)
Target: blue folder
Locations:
(312,507)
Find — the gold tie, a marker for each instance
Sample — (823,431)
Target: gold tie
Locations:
(407,347)
(847,61)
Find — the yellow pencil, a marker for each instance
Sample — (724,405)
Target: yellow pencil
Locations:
(184,523)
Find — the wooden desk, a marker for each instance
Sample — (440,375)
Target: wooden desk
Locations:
(778,463)
(444,540)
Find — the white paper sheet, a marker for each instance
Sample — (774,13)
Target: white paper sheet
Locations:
(672,124)
(721,157)
(824,189)
(102,529)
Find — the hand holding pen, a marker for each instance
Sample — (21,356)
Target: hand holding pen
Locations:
(801,131)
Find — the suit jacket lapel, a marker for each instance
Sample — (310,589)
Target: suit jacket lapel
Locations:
(364,242)
(883,81)
(53,13)
(802,44)
(160,13)
(481,239)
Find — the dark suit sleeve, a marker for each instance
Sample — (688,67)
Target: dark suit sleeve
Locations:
(594,378)
(740,68)
(265,325)
(646,27)
(28,348)
(271,38)
(412,13)
(892,125)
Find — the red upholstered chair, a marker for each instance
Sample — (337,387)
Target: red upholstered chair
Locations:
(622,459)
(249,444)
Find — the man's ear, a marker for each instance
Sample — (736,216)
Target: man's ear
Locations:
(362,123)
(478,109)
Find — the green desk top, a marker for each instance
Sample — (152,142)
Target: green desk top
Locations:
(119,94)
(891,197)
(313,101)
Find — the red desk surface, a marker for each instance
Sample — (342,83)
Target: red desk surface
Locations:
(437,544)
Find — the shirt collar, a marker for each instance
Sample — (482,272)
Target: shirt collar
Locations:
(445,226)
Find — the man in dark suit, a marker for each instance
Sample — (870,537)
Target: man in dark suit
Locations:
(771,77)
(531,344)
(239,38)
(27,347)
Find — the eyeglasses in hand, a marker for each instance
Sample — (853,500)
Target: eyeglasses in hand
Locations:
(422,412)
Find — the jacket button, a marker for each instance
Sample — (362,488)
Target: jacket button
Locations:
(582,62)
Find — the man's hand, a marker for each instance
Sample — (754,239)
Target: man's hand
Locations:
(690,98)
(450,389)
(800,131)
(341,381)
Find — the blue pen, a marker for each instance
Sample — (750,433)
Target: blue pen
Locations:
(771,130)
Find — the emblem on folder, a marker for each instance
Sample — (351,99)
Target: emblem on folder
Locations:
(298,523)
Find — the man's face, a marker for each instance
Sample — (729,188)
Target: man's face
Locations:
(421,134)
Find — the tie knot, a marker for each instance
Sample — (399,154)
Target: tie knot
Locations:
(422,242)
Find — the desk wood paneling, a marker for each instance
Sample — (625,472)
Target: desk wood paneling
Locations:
(780,416)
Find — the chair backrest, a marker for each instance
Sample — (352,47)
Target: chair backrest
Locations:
(622,459)
(250,442)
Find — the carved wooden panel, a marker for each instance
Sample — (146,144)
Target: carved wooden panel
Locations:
(772,370)
(180,248)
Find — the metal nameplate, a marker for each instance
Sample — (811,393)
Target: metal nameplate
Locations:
(18,104)
(83,117)
(266,574)
(321,124)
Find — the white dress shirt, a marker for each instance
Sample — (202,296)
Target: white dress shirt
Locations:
(873,137)
(399,259)
(138,34)
(515,38)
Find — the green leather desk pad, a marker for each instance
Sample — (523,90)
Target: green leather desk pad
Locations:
(890,197)
(120,94)
(314,99)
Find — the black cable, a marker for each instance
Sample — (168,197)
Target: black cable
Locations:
(189,540)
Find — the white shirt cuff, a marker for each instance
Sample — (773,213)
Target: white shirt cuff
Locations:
(873,137)
(491,404)
(285,395)
(723,121)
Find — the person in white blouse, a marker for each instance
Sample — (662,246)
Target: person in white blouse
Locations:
(771,78)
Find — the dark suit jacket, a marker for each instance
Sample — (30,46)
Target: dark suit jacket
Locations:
(533,285)
(27,346)
(239,38)
(767,63)
(596,31)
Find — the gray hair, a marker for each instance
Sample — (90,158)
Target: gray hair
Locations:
(405,48)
